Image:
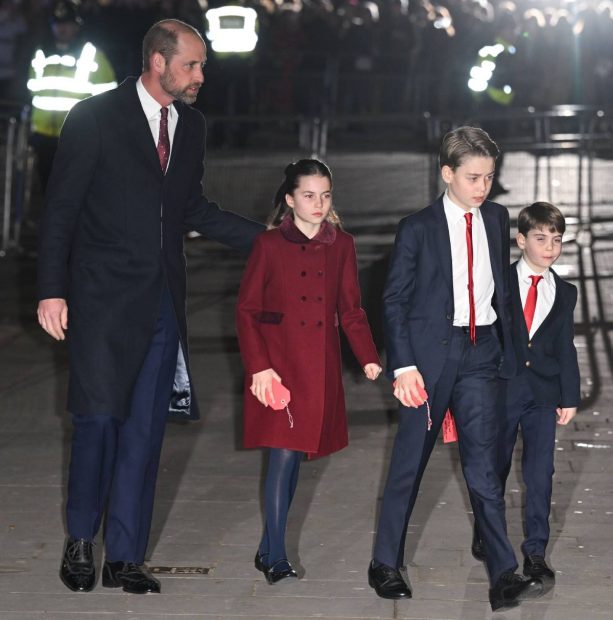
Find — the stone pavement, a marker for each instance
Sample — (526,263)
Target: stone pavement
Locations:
(207,518)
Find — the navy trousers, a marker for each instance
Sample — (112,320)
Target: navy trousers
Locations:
(114,464)
(538,427)
(469,384)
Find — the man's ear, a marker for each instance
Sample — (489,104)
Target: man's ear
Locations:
(447,174)
(158,62)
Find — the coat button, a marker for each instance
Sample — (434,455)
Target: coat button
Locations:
(319,323)
(303,298)
(449,317)
(304,248)
(529,345)
(445,341)
(320,299)
(528,364)
(303,323)
(303,273)
(320,273)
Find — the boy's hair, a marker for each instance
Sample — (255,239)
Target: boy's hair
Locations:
(540,215)
(466,142)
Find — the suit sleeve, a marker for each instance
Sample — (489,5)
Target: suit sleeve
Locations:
(74,166)
(249,307)
(399,288)
(570,382)
(209,220)
(351,314)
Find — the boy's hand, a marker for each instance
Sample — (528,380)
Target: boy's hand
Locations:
(53,317)
(566,414)
(408,388)
(261,384)
(372,371)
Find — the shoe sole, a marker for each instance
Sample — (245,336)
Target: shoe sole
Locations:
(505,606)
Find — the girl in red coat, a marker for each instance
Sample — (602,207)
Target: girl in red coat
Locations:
(300,284)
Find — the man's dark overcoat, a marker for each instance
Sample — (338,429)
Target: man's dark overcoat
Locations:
(112,237)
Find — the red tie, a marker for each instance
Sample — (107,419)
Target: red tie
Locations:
(163,140)
(530,305)
(472,322)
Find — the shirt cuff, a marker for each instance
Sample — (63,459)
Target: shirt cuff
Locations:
(399,371)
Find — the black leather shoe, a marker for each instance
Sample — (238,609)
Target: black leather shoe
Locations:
(536,568)
(131,577)
(512,588)
(387,582)
(77,571)
(279,571)
(259,561)
(476,548)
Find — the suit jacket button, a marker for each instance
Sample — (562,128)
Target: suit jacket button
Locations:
(449,317)
(528,364)
(445,342)
(529,345)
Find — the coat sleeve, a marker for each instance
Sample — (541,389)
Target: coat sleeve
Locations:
(74,166)
(351,314)
(570,383)
(209,220)
(249,308)
(397,298)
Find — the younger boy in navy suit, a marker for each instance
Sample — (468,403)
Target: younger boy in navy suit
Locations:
(547,384)
(448,340)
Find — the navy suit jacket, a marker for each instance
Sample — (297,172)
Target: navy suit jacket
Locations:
(550,357)
(418,295)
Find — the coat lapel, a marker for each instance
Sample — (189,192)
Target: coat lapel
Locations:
(442,242)
(494,242)
(136,123)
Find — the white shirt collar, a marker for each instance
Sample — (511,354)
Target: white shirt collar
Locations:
(150,106)
(455,213)
(524,272)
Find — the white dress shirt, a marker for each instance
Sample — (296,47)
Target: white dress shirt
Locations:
(545,292)
(483,279)
(152,110)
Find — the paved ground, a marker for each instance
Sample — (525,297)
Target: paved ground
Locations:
(207,518)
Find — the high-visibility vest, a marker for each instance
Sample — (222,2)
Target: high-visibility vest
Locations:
(57,82)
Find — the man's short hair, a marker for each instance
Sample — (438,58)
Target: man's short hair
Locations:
(163,38)
(466,142)
(541,215)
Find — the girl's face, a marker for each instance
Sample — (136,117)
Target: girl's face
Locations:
(470,183)
(311,202)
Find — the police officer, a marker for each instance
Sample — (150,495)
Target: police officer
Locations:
(62,72)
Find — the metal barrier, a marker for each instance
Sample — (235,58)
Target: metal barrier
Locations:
(15,174)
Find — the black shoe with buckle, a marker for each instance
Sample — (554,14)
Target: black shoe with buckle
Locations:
(279,571)
(536,568)
(130,577)
(259,561)
(512,588)
(387,582)
(77,571)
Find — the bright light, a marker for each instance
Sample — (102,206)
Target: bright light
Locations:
(232,29)
(477,85)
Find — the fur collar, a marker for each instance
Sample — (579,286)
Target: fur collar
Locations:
(289,230)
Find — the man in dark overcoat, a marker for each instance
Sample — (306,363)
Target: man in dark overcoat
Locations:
(126,186)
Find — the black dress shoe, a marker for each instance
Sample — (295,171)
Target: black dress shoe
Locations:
(279,571)
(512,588)
(387,582)
(259,561)
(77,570)
(131,577)
(476,548)
(536,568)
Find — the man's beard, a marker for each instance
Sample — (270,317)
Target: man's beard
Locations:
(168,83)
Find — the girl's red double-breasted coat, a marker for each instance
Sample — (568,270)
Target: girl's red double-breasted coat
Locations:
(294,294)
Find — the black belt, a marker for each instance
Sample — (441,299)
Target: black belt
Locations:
(482,330)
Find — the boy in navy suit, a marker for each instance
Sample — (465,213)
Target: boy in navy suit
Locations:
(547,384)
(447,333)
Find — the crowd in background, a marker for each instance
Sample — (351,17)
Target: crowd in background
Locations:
(353,56)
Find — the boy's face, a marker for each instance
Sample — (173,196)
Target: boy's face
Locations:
(470,183)
(540,247)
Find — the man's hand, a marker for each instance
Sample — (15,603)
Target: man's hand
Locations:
(262,383)
(53,317)
(566,414)
(406,388)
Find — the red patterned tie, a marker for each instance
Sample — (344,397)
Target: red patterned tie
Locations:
(163,140)
(530,305)
(472,322)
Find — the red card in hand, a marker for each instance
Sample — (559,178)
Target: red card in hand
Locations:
(281,394)
(450,433)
